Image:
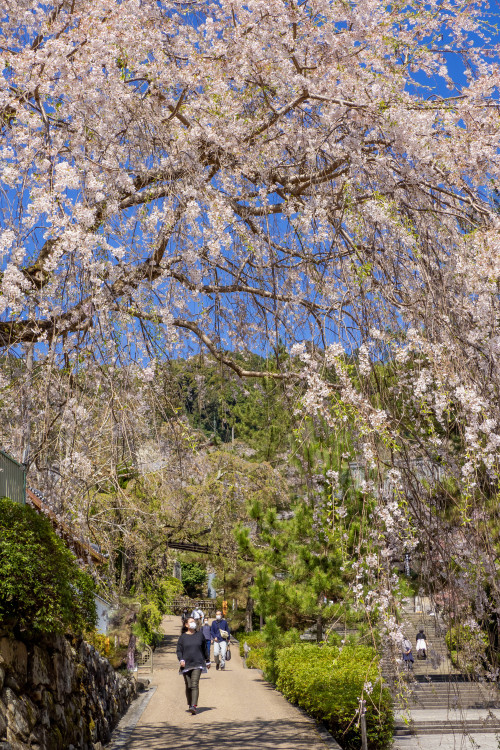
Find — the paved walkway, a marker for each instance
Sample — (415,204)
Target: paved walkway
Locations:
(238,710)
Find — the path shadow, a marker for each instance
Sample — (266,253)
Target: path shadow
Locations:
(169,641)
(257,734)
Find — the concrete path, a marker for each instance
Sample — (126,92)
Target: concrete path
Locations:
(238,710)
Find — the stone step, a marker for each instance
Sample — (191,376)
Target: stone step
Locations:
(451,706)
(452,688)
(402,731)
(453,697)
(475,701)
(450,727)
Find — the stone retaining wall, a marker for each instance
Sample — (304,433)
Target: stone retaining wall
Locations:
(59,694)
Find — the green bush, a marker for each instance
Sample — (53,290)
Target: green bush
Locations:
(276,639)
(194,577)
(463,636)
(328,682)
(42,589)
(467,647)
(255,640)
(264,646)
(257,659)
(164,591)
(147,627)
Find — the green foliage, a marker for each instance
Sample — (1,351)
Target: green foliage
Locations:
(218,403)
(147,627)
(255,640)
(42,589)
(257,659)
(194,576)
(275,639)
(460,636)
(328,683)
(467,646)
(164,591)
(298,564)
(295,568)
(264,646)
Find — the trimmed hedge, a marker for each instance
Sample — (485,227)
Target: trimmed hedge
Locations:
(265,644)
(255,640)
(257,659)
(327,682)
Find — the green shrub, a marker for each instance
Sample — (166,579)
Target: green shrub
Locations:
(164,591)
(147,627)
(467,647)
(42,589)
(255,639)
(463,636)
(328,682)
(264,646)
(276,639)
(257,659)
(194,577)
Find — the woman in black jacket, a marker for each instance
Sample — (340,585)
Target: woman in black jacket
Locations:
(193,660)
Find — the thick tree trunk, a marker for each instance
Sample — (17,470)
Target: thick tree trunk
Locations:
(131,652)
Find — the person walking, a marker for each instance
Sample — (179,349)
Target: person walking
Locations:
(421,644)
(205,629)
(193,660)
(198,616)
(406,649)
(221,636)
(184,619)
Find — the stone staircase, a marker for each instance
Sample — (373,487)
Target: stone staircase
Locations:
(452,696)
(435,698)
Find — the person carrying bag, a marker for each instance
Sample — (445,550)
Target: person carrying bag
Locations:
(221,635)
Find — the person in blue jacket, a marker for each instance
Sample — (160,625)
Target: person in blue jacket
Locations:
(221,635)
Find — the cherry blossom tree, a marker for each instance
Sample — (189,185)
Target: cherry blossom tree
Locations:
(241,175)
(241,171)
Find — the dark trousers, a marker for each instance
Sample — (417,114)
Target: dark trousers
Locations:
(208,646)
(192,682)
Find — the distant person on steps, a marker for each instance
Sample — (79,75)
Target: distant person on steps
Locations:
(194,658)
(406,649)
(421,644)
